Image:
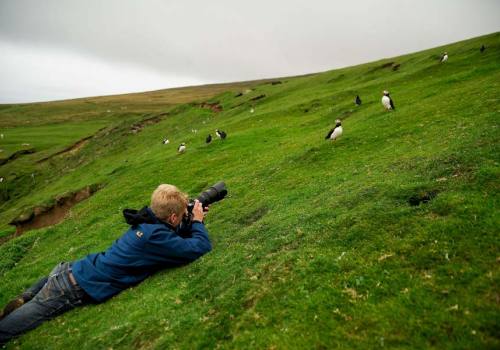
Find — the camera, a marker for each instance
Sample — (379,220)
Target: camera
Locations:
(213,194)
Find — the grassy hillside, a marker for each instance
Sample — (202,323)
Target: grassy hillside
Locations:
(319,244)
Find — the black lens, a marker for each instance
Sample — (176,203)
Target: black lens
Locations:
(214,194)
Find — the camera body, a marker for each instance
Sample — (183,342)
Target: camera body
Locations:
(213,194)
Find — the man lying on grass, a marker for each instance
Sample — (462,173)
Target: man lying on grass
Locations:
(153,242)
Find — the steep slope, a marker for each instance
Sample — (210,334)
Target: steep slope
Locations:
(386,237)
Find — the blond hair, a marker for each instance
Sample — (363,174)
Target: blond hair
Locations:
(167,200)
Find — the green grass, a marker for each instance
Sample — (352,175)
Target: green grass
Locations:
(317,245)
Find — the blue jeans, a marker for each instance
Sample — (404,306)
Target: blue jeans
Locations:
(51,296)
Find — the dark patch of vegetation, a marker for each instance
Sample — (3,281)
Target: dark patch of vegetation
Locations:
(422,197)
(71,149)
(12,253)
(395,66)
(336,78)
(311,106)
(386,65)
(346,114)
(252,100)
(118,170)
(256,98)
(16,155)
(311,155)
(253,216)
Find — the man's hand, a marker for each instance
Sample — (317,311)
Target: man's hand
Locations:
(198,214)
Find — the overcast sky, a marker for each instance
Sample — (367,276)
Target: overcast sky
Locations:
(63,49)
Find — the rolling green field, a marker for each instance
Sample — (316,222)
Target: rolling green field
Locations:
(385,238)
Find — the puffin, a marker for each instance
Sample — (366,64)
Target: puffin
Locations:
(208,139)
(182,148)
(444,58)
(166,141)
(387,101)
(220,134)
(357,101)
(482,48)
(336,132)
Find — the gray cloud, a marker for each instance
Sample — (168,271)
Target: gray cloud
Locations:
(224,40)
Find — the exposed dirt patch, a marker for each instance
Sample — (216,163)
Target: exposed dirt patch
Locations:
(214,107)
(396,67)
(43,216)
(276,82)
(16,155)
(137,127)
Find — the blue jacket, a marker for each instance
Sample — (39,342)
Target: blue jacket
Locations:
(141,251)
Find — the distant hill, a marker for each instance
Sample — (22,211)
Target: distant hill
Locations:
(386,237)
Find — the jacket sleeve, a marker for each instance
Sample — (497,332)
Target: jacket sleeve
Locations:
(168,247)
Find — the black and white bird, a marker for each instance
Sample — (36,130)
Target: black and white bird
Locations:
(387,101)
(444,58)
(182,148)
(166,141)
(357,101)
(208,139)
(336,132)
(482,48)
(220,134)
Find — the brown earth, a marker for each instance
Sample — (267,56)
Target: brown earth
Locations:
(137,127)
(215,107)
(43,216)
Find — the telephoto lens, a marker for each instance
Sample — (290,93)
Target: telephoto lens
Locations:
(213,194)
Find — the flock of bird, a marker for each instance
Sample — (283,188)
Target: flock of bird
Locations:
(337,130)
(387,102)
(182,147)
(333,134)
